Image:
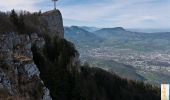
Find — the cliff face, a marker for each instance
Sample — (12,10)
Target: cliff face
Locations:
(55,23)
(19,76)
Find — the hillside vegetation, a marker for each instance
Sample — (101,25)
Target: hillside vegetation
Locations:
(147,54)
(22,22)
(61,72)
(74,82)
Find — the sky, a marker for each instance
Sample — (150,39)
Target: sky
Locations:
(102,13)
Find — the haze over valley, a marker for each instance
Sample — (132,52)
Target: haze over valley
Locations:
(133,55)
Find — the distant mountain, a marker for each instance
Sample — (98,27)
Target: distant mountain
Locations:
(80,36)
(107,32)
(107,45)
(149,30)
(90,29)
(122,38)
(118,37)
(119,31)
(116,29)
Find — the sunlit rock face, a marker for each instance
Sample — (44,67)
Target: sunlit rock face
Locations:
(19,76)
(55,23)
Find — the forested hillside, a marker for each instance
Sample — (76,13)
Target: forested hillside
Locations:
(37,66)
(81,82)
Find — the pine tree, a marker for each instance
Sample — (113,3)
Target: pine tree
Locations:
(21,24)
(14,18)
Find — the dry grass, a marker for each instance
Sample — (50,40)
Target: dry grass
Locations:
(22,58)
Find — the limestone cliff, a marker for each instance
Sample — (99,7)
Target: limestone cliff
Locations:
(55,23)
(19,76)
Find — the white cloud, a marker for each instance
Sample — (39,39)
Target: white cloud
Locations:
(104,13)
(89,12)
(29,5)
(127,13)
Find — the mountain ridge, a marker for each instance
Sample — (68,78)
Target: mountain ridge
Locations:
(129,48)
(37,63)
(80,35)
(112,29)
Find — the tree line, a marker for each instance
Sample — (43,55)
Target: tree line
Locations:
(83,82)
(22,22)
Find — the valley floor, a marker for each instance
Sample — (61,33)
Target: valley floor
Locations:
(153,66)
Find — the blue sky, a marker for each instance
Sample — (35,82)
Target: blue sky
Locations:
(102,13)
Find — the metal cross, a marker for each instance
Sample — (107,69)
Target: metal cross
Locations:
(54,3)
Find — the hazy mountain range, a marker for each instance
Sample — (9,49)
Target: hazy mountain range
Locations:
(134,55)
(119,37)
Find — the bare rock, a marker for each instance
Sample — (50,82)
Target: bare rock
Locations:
(19,76)
(55,23)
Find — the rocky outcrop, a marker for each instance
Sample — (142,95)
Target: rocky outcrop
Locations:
(55,23)
(19,76)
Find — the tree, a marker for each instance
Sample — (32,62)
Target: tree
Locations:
(14,18)
(21,24)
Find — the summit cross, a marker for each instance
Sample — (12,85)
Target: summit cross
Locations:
(54,3)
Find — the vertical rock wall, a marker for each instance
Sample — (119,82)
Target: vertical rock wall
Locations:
(19,76)
(55,23)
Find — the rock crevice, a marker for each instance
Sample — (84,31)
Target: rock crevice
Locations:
(18,73)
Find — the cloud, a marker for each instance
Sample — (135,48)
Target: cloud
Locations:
(127,13)
(103,13)
(90,12)
(30,5)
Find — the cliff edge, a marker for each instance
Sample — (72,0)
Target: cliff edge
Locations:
(19,75)
(55,23)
